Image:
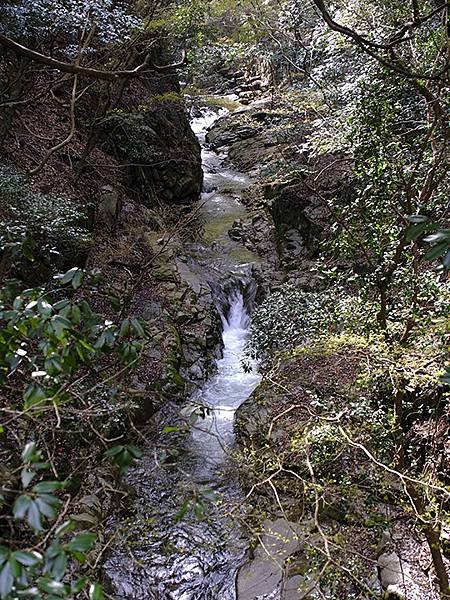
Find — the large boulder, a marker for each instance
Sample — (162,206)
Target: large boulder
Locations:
(154,142)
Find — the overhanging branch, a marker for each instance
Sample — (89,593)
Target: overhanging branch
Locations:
(86,71)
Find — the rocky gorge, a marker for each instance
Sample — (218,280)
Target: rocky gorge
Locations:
(270,238)
(224,303)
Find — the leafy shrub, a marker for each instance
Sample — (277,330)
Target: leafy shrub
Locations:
(290,315)
(68,17)
(51,343)
(38,233)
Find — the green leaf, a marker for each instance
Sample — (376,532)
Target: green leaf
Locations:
(45,487)
(210,495)
(446,260)
(16,568)
(21,506)
(76,314)
(124,328)
(78,585)
(199,510)
(137,327)
(46,509)
(59,325)
(439,236)
(437,250)
(96,592)
(50,499)
(182,512)
(34,395)
(81,542)
(34,516)
(28,559)
(56,588)
(29,451)
(77,279)
(61,304)
(26,477)
(53,365)
(171,429)
(114,451)
(134,451)
(59,566)
(44,308)
(415,231)
(68,276)
(4,553)
(64,528)
(6,580)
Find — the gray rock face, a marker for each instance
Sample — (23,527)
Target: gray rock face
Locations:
(265,575)
(391,569)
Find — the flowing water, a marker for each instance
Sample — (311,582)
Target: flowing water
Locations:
(157,554)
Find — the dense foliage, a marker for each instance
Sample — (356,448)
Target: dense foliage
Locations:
(363,85)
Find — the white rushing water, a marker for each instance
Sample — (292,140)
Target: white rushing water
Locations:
(225,392)
(159,556)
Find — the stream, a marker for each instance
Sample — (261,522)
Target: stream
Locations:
(184,539)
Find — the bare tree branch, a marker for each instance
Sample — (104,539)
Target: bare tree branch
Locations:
(86,71)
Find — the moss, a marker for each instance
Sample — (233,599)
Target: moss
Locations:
(217,228)
(221,102)
(173,356)
(327,345)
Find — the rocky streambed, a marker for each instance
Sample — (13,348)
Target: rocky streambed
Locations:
(211,519)
(183,536)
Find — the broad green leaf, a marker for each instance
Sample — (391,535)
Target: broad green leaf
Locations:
(59,566)
(16,567)
(68,276)
(96,592)
(137,327)
(439,236)
(6,580)
(418,218)
(4,553)
(21,506)
(64,528)
(114,451)
(50,499)
(77,279)
(437,250)
(415,231)
(78,585)
(29,451)
(446,260)
(34,395)
(50,586)
(45,509)
(59,325)
(45,487)
(28,559)
(26,477)
(134,451)
(182,512)
(34,516)
(81,542)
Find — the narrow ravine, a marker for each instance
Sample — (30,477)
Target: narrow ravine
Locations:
(184,540)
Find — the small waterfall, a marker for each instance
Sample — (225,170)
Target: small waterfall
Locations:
(158,556)
(226,391)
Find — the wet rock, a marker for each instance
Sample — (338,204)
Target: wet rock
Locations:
(264,574)
(227,135)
